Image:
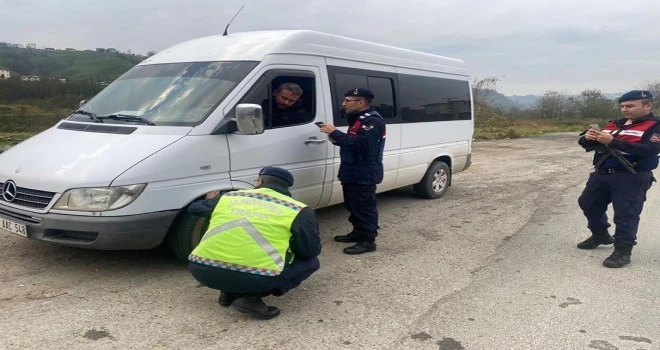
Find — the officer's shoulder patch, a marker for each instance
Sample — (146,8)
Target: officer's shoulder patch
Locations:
(367,127)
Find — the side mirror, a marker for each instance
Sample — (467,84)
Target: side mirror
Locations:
(249,119)
(81,103)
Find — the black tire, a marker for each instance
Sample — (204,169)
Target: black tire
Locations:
(185,234)
(435,182)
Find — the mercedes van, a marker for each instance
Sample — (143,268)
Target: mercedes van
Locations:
(120,172)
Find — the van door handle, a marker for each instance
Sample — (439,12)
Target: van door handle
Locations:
(314,139)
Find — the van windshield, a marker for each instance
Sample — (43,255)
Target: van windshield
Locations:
(173,94)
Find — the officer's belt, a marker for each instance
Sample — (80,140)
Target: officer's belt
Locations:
(612,171)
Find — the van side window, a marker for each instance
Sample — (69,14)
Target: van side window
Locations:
(286,97)
(383,89)
(429,99)
(384,92)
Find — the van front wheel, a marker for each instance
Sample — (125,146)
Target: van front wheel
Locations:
(435,182)
(186,234)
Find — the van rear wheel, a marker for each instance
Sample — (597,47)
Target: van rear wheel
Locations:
(186,234)
(435,182)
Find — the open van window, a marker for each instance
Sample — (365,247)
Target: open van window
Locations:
(174,94)
(290,108)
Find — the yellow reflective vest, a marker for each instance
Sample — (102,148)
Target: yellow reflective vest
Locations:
(249,232)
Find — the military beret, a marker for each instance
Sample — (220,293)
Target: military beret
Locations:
(360,93)
(636,95)
(279,173)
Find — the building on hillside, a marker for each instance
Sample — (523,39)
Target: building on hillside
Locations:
(70,49)
(101,50)
(112,50)
(31,46)
(30,78)
(4,74)
(50,49)
(17,46)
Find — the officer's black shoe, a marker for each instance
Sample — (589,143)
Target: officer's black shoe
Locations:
(254,306)
(347,238)
(620,257)
(360,248)
(595,240)
(225,299)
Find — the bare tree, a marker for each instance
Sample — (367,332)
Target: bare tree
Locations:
(593,104)
(654,88)
(482,88)
(553,105)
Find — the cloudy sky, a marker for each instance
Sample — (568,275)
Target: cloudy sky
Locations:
(531,45)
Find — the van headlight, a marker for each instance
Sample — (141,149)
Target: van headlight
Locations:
(100,198)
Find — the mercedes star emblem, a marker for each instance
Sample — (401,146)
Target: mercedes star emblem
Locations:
(9,191)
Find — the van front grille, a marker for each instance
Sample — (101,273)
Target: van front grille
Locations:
(29,198)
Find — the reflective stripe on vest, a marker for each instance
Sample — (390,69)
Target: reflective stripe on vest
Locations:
(254,233)
(250,232)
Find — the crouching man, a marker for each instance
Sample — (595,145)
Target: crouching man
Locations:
(259,242)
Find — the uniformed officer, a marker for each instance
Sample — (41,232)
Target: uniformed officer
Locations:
(361,168)
(626,153)
(259,242)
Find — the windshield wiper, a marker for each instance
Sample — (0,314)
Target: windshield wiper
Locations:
(91,115)
(126,117)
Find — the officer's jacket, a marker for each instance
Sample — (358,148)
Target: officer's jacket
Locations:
(638,142)
(291,229)
(361,148)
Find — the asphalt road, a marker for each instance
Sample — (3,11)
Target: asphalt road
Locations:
(491,265)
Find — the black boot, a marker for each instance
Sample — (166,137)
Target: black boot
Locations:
(620,257)
(598,237)
(361,248)
(253,305)
(347,238)
(225,299)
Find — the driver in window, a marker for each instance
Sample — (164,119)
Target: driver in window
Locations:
(285,107)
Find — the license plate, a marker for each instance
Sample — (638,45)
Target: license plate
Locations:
(13,227)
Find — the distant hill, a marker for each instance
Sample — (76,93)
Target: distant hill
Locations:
(525,101)
(72,65)
(498,100)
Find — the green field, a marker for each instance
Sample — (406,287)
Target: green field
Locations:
(14,128)
(72,65)
(512,128)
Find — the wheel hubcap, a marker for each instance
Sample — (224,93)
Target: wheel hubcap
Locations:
(439,180)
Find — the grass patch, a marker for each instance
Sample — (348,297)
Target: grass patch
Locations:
(31,124)
(9,139)
(16,128)
(496,128)
(10,111)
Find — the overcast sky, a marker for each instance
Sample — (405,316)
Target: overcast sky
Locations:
(530,45)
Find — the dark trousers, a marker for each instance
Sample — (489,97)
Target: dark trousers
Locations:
(242,283)
(360,200)
(626,192)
